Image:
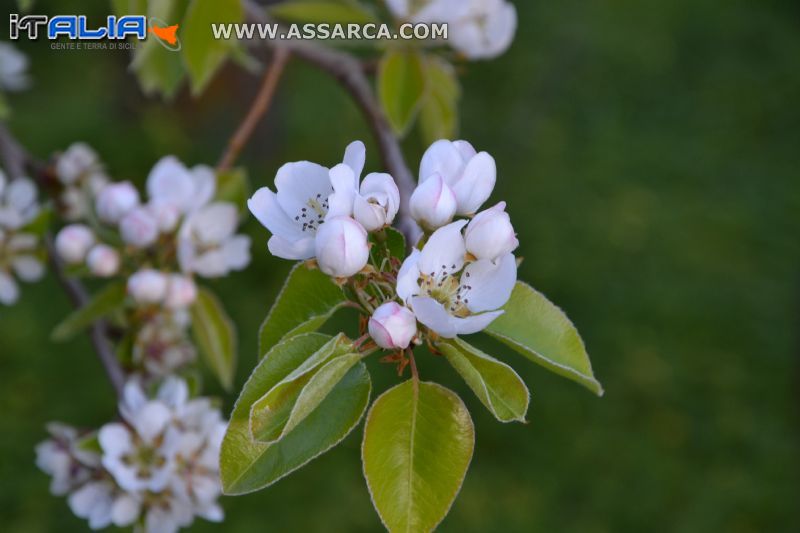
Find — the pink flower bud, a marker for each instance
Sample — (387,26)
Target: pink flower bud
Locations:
(341,247)
(148,286)
(181,293)
(392,326)
(103,261)
(115,201)
(490,234)
(73,242)
(139,228)
(433,203)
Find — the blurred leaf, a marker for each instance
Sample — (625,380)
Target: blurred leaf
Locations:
(40,223)
(495,384)
(401,86)
(438,115)
(330,12)
(534,327)
(387,242)
(159,71)
(202,53)
(287,404)
(418,442)
(132,7)
(215,335)
(234,187)
(247,465)
(25,6)
(306,301)
(104,302)
(89,443)
(5,110)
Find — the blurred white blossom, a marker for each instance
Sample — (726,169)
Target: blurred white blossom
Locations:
(208,245)
(13,68)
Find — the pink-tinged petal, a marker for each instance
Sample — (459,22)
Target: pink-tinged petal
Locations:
(300,249)
(115,439)
(344,183)
(444,250)
(265,207)
(300,182)
(490,282)
(466,149)
(408,276)
(441,158)
(355,156)
(433,203)
(475,323)
(378,182)
(434,315)
(476,184)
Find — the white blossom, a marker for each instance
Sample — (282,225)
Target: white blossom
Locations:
(60,458)
(341,247)
(115,201)
(103,261)
(392,326)
(433,203)
(490,234)
(181,292)
(187,190)
(73,242)
(161,346)
(207,244)
(469,174)
(373,203)
(148,286)
(13,68)
(77,162)
(449,295)
(18,205)
(139,228)
(19,255)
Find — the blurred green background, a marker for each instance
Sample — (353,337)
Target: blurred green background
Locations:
(648,152)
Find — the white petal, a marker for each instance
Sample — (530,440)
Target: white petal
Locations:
(371,216)
(490,282)
(433,203)
(265,207)
(214,223)
(344,183)
(476,184)
(125,510)
(174,392)
(299,182)
(475,323)
(408,276)
(237,252)
(354,157)
(466,149)
(434,315)
(9,291)
(170,181)
(444,250)
(152,420)
(300,249)
(134,397)
(205,185)
(442,158)
(28,268)
(212,512)
(21,194)
(115,439)
(377,182)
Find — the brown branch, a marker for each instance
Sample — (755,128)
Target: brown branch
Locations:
(16,160)
(259,106)
(349,72)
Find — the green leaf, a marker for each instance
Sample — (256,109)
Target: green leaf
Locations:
(121,8)
(103,303)
(215,335)
(5,109)
(25,6)
(401,87)
(305,303)
(247,465)
(280,411)
(536,328)
(202,53)
(495,384)
(438,115)
(330,12)
(233,186)
(270,413)
(418,442)
(40,223)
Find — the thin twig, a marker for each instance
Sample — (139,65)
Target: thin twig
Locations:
(257,110)
(16,160)
(349,72)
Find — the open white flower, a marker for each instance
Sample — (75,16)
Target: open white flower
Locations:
(161,346)
(469,174)
(171,183)
(373,203)
(78,161)
(73,242)
(102,504)
(296,211)
(59,457)
(18,204)
(448,295)
(115,201)
(207,243)
(13,68)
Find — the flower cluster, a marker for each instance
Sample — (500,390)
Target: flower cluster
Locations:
(455,279)
(158,246)
(479,29)
(20,247)
(157,468)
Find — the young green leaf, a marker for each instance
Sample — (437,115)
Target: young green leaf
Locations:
(536,328)
(495,384)
(278,413)
(330,12)
(202,53)
(438,115)
(401,87)
(103,303)
(233,187)
(159,71)
(215,335)
(305,303)
(247,465)
(418,442)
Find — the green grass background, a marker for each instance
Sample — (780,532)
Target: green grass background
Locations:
(648,152)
